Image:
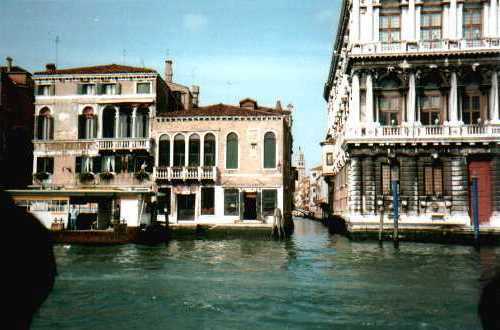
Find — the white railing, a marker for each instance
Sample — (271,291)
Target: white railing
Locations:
(433,133)
(124,143)
(185,173)
(424,46)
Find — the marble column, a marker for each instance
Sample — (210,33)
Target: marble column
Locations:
(171,156)
(117,122)
(376,24)
(355,28)
(494,98)
(134,128)
(369,100)
(411,100)
(411,35)
(452,18)
(493,18)
(453,99)
(186,151)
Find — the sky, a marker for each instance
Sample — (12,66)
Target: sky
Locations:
(267,50)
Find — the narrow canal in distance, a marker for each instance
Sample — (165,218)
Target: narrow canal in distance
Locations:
(312,281)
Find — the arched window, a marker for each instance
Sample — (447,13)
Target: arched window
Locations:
(194,150)
(125,122)
(44,125)
(179,150)
(269,150)
(142,123)
(209,150)
(87,124)
(389,101)
(164,151)
(108,122)
(232,151)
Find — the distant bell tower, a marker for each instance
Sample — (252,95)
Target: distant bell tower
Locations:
(300,164)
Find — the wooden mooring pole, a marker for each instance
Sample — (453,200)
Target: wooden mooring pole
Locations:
(475,210)
(395,207)
(381,225)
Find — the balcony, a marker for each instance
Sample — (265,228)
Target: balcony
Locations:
(199,173)
(65,147)
(423,134)
(124,144)
(380,48)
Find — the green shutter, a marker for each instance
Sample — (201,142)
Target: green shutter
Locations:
(118,89)
(258,205)
(118,163)
(232,151)
(242,205)
(96,164)
(99,89)
(79,89)
(269,150)
(52,90)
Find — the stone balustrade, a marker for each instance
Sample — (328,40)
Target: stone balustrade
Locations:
(89,147)
(185,173)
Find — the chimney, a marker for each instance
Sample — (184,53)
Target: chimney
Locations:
(50,67)
(169,73)
(278,106)
(195,90)
(9,63)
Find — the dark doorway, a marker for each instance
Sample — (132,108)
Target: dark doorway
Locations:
(250,212)
(185,207)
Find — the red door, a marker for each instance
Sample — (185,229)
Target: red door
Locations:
(482,170)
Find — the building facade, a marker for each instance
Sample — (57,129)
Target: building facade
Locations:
(16,123)
(301,193)
(223,163)
(318,192)
(413,96)
(93,148)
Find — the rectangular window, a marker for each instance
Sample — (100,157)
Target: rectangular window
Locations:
(269,201)
(231,202)
(109,89)
(471,108)
(108,163)
(430,109)
(390,22)
(433,175)
(472,20)
(86,89)
(143,88)
(329,159)
(45,165)
(207,201)
(45,90)
(389,110)
(388,174)
(431,25)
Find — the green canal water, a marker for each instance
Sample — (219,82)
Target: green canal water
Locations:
(312,281)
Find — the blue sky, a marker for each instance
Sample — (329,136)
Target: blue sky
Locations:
(263,49)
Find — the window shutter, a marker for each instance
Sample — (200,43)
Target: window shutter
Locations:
(118,88)
(51,128)
(232,151)
(269,150)
(52,90)
(81,126)
(99,89)
(130,163)
(39,165)
(119,163)
(36,134)
(96,164)
(258,205)
(78,164)
(94,127)
(242,204)
(50,165)
(79,89)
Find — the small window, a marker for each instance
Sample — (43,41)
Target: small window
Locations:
(108,163)
(389,110)
(86,89)
(109,89)
(329,159)
(431,109)
(269,201)
(472,20)
(471,107)
(164,151)
(209,150)
(231,202)
(388,174)
(45,90)
(143,88)
(207,201)
(433,175)
(45,165)
(164,201)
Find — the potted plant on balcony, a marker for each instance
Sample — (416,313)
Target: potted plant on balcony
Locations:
(86,177)
(142,175)
(107,176)
(41,176)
